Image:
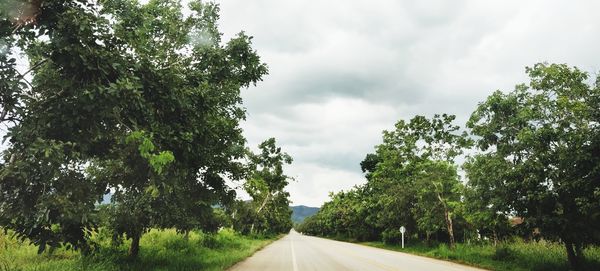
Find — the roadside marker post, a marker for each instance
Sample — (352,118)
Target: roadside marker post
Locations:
(402,231)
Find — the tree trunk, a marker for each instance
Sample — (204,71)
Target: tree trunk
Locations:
(450,228)
(258,211)
(134,249)
(186,235)
(495,238)
(448,219)
(263,204)
(573,258)
(579,251)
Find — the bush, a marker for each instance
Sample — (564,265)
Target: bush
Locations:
(160,250)
(391,237)
(502,253)
(210,241)
(513,255)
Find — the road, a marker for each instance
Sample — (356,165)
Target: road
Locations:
(298,252)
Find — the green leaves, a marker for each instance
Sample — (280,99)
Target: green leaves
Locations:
(146,148)
(543,136)
(120,100)
(411,181)
(538,161)
(269,210)
(161,160)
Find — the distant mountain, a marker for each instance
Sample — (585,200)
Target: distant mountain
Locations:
(300,212)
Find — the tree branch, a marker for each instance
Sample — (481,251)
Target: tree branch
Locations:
(35,66)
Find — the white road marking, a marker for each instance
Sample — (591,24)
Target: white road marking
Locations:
(293,254)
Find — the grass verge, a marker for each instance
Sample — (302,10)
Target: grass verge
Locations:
(515,255)
(160,250)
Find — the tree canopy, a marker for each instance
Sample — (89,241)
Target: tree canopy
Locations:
(411,181)
(545,137)
(119,101)
(268,211)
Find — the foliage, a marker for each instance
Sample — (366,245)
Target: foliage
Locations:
(512,255)
(143,102)
(161,250)
(437,195)
(411,182)
(546,138)
(536,165)
(483,193)
(134,99)
(269,211)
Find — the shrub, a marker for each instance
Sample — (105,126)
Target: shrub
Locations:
(502,253)
(210,241)
(391,237)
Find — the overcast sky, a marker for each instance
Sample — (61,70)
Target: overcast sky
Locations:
(343,71)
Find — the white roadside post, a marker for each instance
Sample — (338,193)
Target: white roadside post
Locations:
(402,230)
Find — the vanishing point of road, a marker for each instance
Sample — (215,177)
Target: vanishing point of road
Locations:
(296,252)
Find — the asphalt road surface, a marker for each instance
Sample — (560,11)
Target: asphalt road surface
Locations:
(298,252)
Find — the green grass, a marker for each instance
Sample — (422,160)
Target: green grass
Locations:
(159,250)
(515,255)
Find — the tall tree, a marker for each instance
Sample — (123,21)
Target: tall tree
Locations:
(412,181)
(485,191)
(438,196)
(266,185)
(549,135)
(409,171)
(135,99)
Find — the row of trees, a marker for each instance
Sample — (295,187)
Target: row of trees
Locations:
(532,154)
(135,100)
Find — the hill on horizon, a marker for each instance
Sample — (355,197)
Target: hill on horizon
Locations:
(300,212)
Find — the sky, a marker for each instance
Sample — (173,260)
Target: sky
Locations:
(341,72)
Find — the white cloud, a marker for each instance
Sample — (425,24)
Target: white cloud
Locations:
(314,182)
